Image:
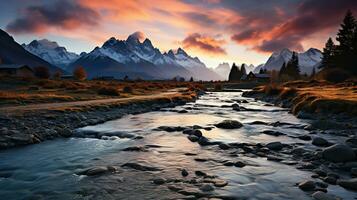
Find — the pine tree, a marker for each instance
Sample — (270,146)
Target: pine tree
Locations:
(292,68)
(328,55)
(282,70)
(261,71)
(345,37)
(313,73)
(243,70)
(191,79)
(234,73)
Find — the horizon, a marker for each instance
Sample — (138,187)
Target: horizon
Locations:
(225,31)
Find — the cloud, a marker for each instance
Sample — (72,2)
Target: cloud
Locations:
(283,30)
(204,43)
(61,14)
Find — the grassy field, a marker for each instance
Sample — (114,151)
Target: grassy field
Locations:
(316,96)
(22,91)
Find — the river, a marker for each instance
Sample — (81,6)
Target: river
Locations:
(49,170)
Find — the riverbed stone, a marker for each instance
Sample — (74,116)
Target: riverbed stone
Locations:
(184,172)
(348,183)
(159,181)
(307,185)
(339,153)
(193,138)
(220,183)
(96,171)
(275,146)
(323,196)
(140,167)
(229,124)
(319,141)
(206,188)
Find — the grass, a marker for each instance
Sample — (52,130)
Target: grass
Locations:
(316,96)
(15,91)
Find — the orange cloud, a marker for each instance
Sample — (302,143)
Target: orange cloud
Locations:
(204,43)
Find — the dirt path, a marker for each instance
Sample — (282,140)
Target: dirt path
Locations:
(52,106)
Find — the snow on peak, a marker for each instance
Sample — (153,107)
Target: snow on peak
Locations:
(51,52)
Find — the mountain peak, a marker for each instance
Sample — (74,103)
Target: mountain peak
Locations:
(135,37)
(110,42)
(181,51)
(147,42)
(44,43)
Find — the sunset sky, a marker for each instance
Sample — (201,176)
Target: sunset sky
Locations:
(242,31)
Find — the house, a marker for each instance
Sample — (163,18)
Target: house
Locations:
(16,70)
(256,77)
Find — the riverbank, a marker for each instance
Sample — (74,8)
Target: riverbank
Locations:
(23,125)
(332,106)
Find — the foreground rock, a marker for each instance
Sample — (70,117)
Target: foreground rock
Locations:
(307,185)
(140,167)
(98,171)
(275,146)
(348,184)
(339,153)
(229,124)
(323,196)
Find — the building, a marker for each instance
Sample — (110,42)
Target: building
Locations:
(256,77)
(16,70)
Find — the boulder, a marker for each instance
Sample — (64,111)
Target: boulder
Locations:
(339,153)
(229,124)
(193,138)
(348,183)
(319,141)
(184,172)
(275,146)
(323,196)
(307,185)
(159,181)
(206,188)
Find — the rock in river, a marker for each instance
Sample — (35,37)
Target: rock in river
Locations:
(307,185)
(339,153)
(140,167)
(206,188)
(319,141)
(276,146)
(323,196)
(193,138)
(348,183)
(229,124)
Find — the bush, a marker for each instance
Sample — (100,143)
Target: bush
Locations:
(42,72)
(109,91)
(128,89)
(218,87)
(80,74)
(272,89)
(334,75)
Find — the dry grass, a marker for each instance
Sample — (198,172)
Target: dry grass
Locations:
(21,91)
(316,96)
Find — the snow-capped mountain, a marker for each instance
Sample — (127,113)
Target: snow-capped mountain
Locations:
(197,69)
(307,60)
(143,60)
(51,52)
(223,70)
(13,53)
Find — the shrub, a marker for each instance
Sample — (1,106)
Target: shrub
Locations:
(109,91)
(79,73)
(128,89)
(272,89)
(57,75)
(42,72)
(334,75)
(218,87)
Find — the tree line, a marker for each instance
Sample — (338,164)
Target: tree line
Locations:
(342,56)
(236,73)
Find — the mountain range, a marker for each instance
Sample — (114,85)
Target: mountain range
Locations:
(51,52)
(13,53)
(308,60)
(120,58)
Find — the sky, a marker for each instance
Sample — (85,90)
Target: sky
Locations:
(241,31)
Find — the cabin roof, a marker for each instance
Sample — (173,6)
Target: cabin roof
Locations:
(13,66)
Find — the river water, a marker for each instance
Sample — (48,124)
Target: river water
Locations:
(50,170)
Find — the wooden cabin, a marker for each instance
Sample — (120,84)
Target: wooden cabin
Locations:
(256,77)
(16,70)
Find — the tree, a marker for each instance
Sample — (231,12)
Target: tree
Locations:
(191,79)
(57,75)
(79,73)
(313,73)
(126,78)
(243,70)
(328,54)
(292,68)
(42,72)
(346,36)
(282,70)
(234,73)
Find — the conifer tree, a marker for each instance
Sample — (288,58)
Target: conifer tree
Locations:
(282,70)
(292,68)
(329,53)
(234,73)
(243,70)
